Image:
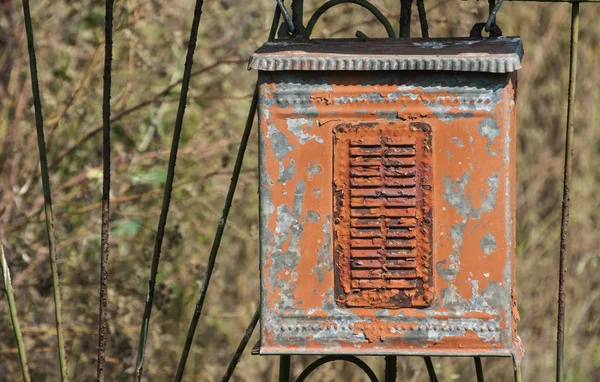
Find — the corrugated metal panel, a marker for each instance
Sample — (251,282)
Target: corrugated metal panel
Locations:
(493,55)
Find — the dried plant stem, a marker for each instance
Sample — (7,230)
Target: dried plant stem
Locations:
(104,243)
(39,124)
(12,310)
(162,222)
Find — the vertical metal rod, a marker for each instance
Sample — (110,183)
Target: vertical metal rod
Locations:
(430,369)
(405,11)
(12,310)
(162,222)
(479,369)
(566,201)
(423,18)
(212,257)
(298,13)
(491,5)
(104,245)
(240,349)
(39,125)
(518,376)
(391,368)
(284,368)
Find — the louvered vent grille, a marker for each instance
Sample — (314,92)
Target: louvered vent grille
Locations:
(383,215)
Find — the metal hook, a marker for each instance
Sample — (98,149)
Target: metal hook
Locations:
(286,16)
(492,16)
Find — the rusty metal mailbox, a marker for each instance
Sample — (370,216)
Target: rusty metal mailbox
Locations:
(387,196)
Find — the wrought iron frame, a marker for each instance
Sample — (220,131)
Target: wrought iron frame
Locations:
(292,28)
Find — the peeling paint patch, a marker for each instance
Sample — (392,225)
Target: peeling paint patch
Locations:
(488,244)
(324,261)
(295,126)
(281,148)
(312,216)
(489,202)
(488,128)
(313,169)
(288,231)
(365,97)
(458,142)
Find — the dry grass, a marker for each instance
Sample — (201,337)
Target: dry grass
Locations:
(150,40)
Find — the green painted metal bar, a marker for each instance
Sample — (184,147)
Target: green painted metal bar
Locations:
(566,201)
(12,311)
(298,12)
(391,368)
(162,222)
(39,126)
(285,362)
(405,15)
(479,369)
(363,3)
(518,375)
(214,251)
(242,346)
(430,369)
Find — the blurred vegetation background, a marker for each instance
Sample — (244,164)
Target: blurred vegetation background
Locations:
(149,51)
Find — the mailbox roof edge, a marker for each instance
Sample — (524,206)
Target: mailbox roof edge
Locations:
(489,55)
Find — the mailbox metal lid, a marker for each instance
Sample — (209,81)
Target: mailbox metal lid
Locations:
(491,55)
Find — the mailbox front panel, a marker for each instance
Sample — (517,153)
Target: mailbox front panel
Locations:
(387,216)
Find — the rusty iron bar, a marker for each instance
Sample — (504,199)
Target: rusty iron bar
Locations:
(242,346)
(363,3)
(391,368)
(492,17)
(405,14)
(332,358)
(479,369)
(39,125)
(185,84)
(430,369)
(14,318)
(566,200)
(104,245)
(284,368)
(423,18)
(212,257)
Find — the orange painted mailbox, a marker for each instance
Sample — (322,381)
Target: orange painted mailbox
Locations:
(387,196)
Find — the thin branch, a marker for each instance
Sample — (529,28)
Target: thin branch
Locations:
(12,310)
(162,222)
(39,124)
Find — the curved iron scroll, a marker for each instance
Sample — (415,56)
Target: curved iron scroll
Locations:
(363,3)
(332,358)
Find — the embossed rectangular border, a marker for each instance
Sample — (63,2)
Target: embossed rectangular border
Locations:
(422,295)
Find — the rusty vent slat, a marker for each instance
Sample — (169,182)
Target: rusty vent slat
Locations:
(383,215)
